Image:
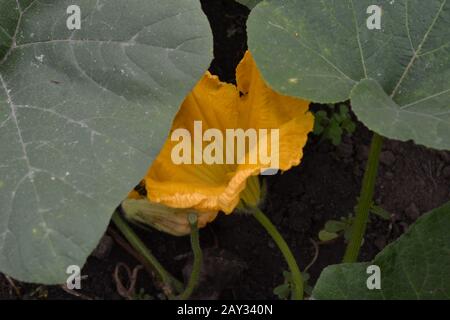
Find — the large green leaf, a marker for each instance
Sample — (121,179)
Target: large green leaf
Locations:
(82,115)
(416,266)
(321,50)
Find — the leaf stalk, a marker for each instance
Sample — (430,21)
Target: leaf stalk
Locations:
(365,201)
(139,246)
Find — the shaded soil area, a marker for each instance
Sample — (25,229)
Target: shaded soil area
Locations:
(241,261)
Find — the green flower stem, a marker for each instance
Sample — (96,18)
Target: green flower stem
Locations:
(139,246)
(251,195)
(365,201)
(198,259)
(297,290)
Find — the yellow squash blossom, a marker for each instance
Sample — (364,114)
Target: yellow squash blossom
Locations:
(210,188)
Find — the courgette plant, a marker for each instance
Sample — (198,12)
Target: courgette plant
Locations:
(398,81)
(83,111)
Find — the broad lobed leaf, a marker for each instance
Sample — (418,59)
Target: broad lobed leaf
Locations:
(416,266)
(323,49)
(82,114)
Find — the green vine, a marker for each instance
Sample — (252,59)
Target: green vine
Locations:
(198,259)
(365,201)
(297,280)
(139,246)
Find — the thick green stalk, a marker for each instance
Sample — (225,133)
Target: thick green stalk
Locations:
(139,246)
(297,290)
(365,201)
(198,259)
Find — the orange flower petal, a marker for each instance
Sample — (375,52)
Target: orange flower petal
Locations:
(252,104)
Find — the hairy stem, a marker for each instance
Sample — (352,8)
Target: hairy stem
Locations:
(198,259)
(365,201)
(297,290)
(139,246)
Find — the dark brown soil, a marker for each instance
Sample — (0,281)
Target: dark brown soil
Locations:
(242,262)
